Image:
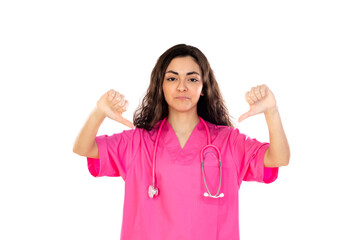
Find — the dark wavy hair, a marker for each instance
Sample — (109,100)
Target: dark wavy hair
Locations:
(211,107)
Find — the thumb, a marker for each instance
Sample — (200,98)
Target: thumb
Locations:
(119,118)
(127,123)
(245,115)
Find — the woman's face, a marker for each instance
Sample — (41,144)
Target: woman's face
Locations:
(182,84)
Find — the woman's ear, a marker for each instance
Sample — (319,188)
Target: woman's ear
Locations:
(201,94)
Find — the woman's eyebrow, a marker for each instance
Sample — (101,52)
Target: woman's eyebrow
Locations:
(189,73)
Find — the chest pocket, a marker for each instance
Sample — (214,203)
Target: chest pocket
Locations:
(212,177)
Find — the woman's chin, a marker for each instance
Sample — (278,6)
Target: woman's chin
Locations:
(182,109)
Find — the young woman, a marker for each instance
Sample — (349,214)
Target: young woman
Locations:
(183,162)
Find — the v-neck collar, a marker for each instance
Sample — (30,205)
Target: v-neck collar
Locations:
(173,135)
(170,142)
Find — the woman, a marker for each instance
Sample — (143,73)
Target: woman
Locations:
(172,191)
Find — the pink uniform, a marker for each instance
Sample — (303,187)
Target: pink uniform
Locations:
(181,211)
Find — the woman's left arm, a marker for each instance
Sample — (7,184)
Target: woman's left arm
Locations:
(262,100)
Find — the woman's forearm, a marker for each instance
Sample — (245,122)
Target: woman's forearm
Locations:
(85,144)
(278,153)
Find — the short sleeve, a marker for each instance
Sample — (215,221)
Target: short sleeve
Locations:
(249,154)
(116,153)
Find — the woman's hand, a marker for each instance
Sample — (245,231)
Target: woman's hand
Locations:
(112,105)
(261,100)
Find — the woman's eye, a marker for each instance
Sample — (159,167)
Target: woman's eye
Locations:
(194,80)
(171,79)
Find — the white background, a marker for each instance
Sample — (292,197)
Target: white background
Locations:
(58,57)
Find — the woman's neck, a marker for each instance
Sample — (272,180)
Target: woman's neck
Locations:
(183,123)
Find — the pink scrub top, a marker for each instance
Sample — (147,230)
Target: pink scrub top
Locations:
(181,211)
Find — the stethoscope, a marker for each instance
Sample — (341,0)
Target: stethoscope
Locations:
(153,191)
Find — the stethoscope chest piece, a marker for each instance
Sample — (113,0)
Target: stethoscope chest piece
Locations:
(153,191)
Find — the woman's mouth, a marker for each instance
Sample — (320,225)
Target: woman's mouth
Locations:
(182,98)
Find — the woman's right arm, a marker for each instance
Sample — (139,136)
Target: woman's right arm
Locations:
(85,144)
(112,104)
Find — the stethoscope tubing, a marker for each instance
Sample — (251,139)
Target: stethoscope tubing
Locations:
(154,191)
(202,168)
(154,152)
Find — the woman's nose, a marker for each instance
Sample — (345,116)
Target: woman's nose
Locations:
(182,85)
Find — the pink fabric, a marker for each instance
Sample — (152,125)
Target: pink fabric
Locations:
(181,211)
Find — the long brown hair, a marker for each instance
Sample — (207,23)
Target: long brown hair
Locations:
(211,107)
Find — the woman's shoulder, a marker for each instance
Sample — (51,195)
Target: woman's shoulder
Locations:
(222,130)
(133,136)
(130,133)
(229,133)
(141,133)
